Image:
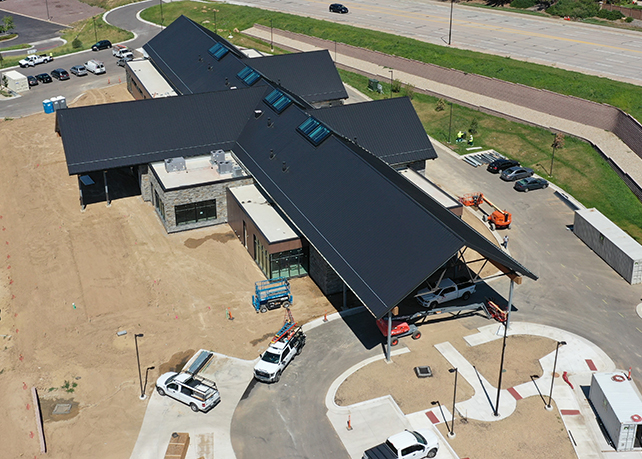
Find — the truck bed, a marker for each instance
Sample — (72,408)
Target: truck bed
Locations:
(381,451)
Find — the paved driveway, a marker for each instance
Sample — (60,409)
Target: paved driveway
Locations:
(56,11)
(29,30)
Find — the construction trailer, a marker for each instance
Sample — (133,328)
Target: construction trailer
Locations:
(613,245)
(16,81)
(619,406)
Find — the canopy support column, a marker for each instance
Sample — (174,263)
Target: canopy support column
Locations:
(106,189)
(389,337)
(345,295)
(82,201)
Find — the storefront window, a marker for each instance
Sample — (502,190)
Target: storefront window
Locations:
(291,263)
(195,212)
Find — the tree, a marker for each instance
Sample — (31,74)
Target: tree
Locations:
(474,124)
(558,142)
(441,105)
(7,24)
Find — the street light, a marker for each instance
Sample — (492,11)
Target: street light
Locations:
(451,434)
(271,37)
(390,83)
(501,368)
(95,33)
(161,8)
(140,376)
(47,5)
(557,349)
(450,30)
(450,125)
(436,402)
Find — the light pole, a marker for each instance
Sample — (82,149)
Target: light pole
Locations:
(501,368)
(450,30)
(215,23)
(95,32)
(533,378)
(146,373)
(140,376)
(160,2)
(436,402)
(47,6)
(390,83)
(271,37)
(451,434)
(450,125)
(550,396)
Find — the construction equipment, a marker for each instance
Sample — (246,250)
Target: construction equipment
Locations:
(288,328)
(271,294)
(499,219)
(407,325)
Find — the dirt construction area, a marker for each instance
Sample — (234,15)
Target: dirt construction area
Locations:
(71,280)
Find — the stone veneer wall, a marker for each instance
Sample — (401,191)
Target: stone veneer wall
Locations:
(198,193)
(323,274)
(143,181)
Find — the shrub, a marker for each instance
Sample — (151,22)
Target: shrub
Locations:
(441,105)
(629,19)
(76,44)
(610,15)
(523,3)
(574,8)
(396,86)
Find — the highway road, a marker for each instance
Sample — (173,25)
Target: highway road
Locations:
(596,50)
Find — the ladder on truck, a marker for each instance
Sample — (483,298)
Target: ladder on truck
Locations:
(288,329)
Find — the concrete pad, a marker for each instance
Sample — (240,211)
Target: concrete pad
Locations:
(209,432)
(419,420)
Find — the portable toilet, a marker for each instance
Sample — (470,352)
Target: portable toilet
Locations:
(48,106)
(619,406)
(55,102)
(63,101)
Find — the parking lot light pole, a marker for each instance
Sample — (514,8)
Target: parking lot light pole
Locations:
(47,6)
(436,402)
(390,83)
(550,396)
(160,2)
(95,32)
(140,376)
(450,30)
(501,369)
(451,434)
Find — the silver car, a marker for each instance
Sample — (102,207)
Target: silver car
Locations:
(515,173)
(78,70)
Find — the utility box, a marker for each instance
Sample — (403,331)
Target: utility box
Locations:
(178,446)
(612,244)
(374,85)
(16,81)
(619,407)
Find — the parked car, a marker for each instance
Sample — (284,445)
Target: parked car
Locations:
(78,70)
(530,183)
(338,8)
(33,59)
(32,80)
(121,51)
(60,74)
(95,67)
(408,444)
(102,44)
(515,173)
(43,78)
(501,164)
(201,394)
(123,61)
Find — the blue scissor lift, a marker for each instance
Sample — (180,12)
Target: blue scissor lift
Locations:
(272,294)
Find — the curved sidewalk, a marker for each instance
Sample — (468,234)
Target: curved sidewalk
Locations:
(577,358)
(608,143)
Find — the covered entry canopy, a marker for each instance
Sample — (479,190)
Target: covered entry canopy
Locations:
(380,233)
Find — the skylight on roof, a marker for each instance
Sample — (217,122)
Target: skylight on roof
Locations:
(218,51)
(314,131)
(249,76)
(278,101)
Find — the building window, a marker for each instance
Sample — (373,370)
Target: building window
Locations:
(195,212)
(218,51)
(160,206)
(314,131)
(278,101)
(291,263)
(249,76)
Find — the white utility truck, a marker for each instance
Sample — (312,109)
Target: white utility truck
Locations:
(408,444)
(447,290)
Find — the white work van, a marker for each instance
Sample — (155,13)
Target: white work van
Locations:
(95,67)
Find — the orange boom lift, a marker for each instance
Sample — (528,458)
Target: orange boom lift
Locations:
(499,219)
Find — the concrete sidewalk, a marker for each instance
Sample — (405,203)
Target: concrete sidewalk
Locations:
(576,359)
(607,142)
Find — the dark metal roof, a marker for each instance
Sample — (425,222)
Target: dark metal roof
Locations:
(310,75)
(380,233)
(180,53)
(122,134)
(388,128)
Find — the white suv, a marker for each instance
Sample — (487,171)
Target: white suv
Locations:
(199,393)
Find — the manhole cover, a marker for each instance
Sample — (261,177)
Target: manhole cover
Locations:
(62,408)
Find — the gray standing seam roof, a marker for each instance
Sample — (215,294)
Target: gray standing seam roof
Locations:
(381,234)
(101,137)
(389,128)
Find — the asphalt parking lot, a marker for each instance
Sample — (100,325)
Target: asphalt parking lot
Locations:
(29,30)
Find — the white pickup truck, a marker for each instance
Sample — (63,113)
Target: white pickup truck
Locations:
(33,59)
(122,51)
(447,290)
(277,356)
(199,393)
(408,444)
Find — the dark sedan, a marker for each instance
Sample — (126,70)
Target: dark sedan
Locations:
(33,81)
(43,78)
(60,74)
(102,44)
(515,173)
(338,8)
(530,183)
(500,164)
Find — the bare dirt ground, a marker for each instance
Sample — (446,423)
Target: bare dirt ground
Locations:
(71,280)
(63,12)
(529,432)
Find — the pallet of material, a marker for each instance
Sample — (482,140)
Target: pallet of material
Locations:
(178,445)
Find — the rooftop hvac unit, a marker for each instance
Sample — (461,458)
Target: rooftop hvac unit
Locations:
(237,171)
(217,156)
(225,167)
(175,164)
